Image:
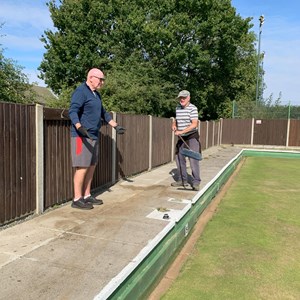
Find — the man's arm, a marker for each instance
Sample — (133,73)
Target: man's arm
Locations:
(112,123)
(174,125)
(75,106)
(193,125)
(119,129)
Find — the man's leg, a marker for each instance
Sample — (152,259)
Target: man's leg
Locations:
(86,188)
(181,170)
(78,180)
(181,167)
(195,166)
(82,151)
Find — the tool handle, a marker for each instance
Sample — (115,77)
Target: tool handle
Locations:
(184,142)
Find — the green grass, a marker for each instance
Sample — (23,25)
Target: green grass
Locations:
(251,247)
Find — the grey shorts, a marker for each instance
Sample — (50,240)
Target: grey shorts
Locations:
(84,152)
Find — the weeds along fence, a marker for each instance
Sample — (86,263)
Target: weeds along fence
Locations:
(35,162)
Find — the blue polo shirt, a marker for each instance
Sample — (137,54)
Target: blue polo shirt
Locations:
(86,108)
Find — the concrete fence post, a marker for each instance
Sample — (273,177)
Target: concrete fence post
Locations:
(173,141)
(213,134)
(113,150)
(150,142)
(39,134)
(220,131)
(252,132)
(206,141)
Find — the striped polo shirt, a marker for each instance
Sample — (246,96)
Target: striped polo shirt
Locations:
(185,115)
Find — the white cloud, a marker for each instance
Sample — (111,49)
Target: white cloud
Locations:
(33,15)
(23,23)
(26,20)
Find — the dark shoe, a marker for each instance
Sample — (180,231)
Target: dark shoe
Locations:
(82,204)
(93,200)
(196,187)
(179,183)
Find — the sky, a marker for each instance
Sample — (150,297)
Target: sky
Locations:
(24,22)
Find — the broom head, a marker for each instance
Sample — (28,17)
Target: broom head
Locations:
(191,154)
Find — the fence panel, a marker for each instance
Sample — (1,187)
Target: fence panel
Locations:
(270,132)
(58,178)
(161,141)
(210,133)
(216,133)
(18,153)
(236,131)
(58,174)
(294,136)
(203,134)
(133,146)
(103,171)
(17,162)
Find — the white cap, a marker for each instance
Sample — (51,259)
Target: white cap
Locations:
(183,94)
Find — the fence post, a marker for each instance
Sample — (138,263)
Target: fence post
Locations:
(206,141)
(213,134)
(288,132)
(39,146)
(113,150)
(173,139)
(220,131)
(150,143)
(252,132)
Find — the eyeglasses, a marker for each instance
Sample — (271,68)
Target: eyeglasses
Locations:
(101,79)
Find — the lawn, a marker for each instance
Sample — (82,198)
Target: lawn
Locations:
(251,247)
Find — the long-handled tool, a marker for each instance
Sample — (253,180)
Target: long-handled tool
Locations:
(188,152)
(179,162)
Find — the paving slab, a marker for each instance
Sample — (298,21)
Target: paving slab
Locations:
(68,253)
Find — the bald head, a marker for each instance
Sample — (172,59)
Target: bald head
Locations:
(95,79)
(96,73)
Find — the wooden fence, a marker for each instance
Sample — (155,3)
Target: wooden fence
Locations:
(35,162)
(17,161)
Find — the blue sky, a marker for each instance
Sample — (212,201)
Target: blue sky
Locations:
(280,40)
(25,21)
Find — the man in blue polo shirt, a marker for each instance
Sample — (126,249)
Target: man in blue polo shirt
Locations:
(86,113)
(186,126)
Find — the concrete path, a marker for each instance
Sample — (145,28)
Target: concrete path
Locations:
(68,253)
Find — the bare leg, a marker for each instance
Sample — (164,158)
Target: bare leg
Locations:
(79,178)
(86,188)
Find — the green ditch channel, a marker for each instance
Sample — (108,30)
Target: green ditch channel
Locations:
(141,281)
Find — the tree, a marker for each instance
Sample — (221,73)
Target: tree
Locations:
(152,49)
(204,47)
(14,85)
(137,89)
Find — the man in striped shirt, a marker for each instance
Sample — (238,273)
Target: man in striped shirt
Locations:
(186,126)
